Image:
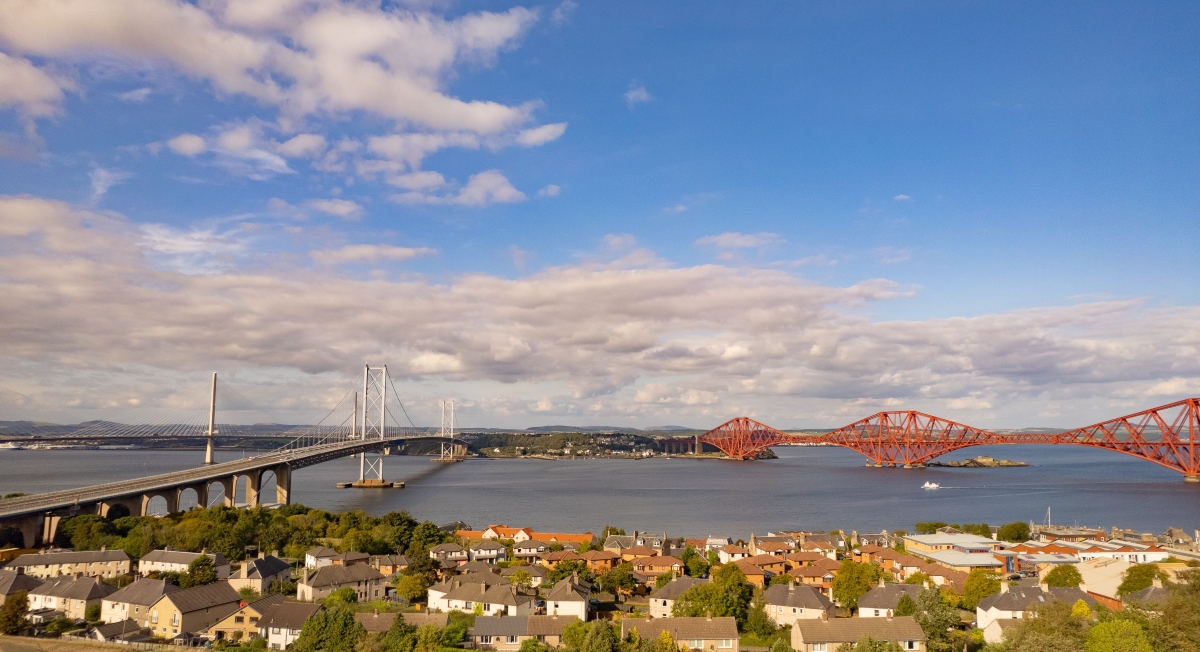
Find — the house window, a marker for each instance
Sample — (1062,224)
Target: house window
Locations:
(239,619)
(695,643)
(793,610)
(154,616)
(820,647)
(725,643)
(471,605)
(910,645)
(487,607)
(876,612)
(512,639)
(274,630)
(175,618)
(486,640)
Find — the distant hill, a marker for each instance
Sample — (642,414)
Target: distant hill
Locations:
(665,428)
(582,429)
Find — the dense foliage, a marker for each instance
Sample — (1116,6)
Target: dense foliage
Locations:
(728,594)
(980,583)
(1015,532)
(1064,575)
(12,614)
(853,580)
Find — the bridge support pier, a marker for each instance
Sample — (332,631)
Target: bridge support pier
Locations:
(1191,478)
(169,495)
(253,487)
(283,484)
(30,527)
(132,503)
(201,490)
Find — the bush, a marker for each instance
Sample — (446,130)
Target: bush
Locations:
(1064,575)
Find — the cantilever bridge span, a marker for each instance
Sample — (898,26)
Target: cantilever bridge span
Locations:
(1163,435)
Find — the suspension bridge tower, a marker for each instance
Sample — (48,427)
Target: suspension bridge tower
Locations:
(371,426)
(451,452)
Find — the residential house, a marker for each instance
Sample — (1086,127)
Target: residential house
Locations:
(868,553)
(755,574)
(450,554)
(1151,597)
(503,532)
(807,558)
(488,551)
(125,631)
(600,561)
(12,581)
(827,635)
(652,567)
(368,583)
(70,595)
(776,565)
(260,573)
(634,552)
(822,547)
(389,565)
(476,567)
(773,548)
(495,633)
(569,597)
(134,601)
(815,576)
(881,601)
(710,634)
(319,556)
(732,553)
(565,538)
(1013,601)
(243,624)
(495,596)
(662,600)
(1174,536)
(382,622)
(881,539)
(187,611)
(281,624)
(716,543)
(169,560)
(619,542)
(537,574)
(529,551)
(94,563)
(350,558)
(552,559)
(787,603)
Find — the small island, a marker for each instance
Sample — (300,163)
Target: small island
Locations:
(981,462)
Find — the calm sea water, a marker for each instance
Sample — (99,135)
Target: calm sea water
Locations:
(810,488)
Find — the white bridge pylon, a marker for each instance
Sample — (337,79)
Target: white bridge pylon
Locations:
(373,422)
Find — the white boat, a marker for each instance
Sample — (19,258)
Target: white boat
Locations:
(931,485)
(11,446)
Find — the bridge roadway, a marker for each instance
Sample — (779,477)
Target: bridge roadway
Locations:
(40,514)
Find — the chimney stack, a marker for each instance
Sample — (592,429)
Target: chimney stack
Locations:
(1156,582)
(1004,587)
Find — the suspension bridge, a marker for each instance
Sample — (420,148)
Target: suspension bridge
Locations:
(367,428)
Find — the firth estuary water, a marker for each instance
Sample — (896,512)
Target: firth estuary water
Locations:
(815,488)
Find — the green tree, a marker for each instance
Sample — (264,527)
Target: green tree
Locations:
(757,621)
(330,630)
(532,645)
(425,536)
(1014,532)
(595,636)
(340,597)
(728,594)
(980,583)
(782,578)
(906,606)
(694,563)
(780,645)
(664,643)
(412,587)
(918,578)
(936,618)
(1049,627)
(421,563)
(1081,609)
(400,637)
(1138,577)
(564,569)
(853,580)
(92,613)
(1117,636)
(1064,575)
(663,580)
(610,530)
(618,581)
(929,527)
(200,572)
(13,613)
(868,644)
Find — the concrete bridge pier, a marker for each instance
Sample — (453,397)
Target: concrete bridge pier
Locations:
(201,490)
(30,527)
(253,486)
(169,495)
(283,484)
(1191,478)
(132,503)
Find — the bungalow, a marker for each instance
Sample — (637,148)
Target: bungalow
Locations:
(1152,597)
(134,601)
(12,581)
(716,543)
(319,556)
(94,563)
(881,539)
(70,595)
(529,551)
(619,542)
(438,592)
(186,611)
(710,634)
(449,552)
(494,633)
(828,635)
(504,532)
(662,600)
(658,565)
(169,560)
(601,561)
(1013,602)
(488,551)
(260,573)
(773,548)
(494,595)
(242,625)
(569,597)
(785,604)
(732,553)
(389,565)
(537,574)
(881,601)
(368,583)
(281,624)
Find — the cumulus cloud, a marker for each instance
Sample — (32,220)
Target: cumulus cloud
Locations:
(541,135)
(631,337)
(303,146)
(343,208)
(734,240)
(368,254)
(188,145)
(31,91)
(482,189)
(563,12)
(636,95)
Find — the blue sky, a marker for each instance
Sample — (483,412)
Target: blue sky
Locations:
(1000,197)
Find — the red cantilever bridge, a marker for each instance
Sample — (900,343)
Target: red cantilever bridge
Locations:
(1163,435)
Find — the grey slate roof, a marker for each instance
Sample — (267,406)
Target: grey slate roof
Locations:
(1151,595)
(83,588)
(143,592)
(802,596)
(266,567)
(84,557)
(521,625)
(208,596)
(675,588)
(492,590)
(849,630)
(534,571)
(12,581)
(335,575)
(381,622)
(570,589)
(476,567)
(110,630)
(1021,598)
(682,629)
(288,615)
(487,545)
(449,584)
(262,604)
(887,597)
(447,547)
(182,557)
(321,552)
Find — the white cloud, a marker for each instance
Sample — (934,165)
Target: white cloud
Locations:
(33,92)
(892,255)
(103,179)
(136,96)
(541,135)
(303,146)
(734,240)
(188,145)
(343,208)
(636,95)
(619,241)
(563,12)
(901,198)
(368,254)
(482,189)
(550,190)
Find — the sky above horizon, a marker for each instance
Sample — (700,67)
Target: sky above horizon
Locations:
(616,213)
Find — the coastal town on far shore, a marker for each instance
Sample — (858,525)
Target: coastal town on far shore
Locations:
(391,584)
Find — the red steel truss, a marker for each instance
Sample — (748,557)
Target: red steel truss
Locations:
(1162,435)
